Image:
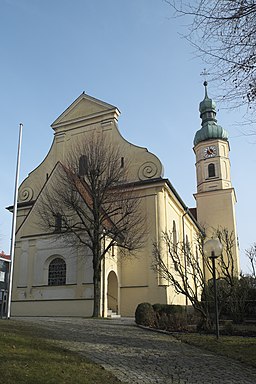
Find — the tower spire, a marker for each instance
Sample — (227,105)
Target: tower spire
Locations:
(205,74)
(205,89)
(210,129)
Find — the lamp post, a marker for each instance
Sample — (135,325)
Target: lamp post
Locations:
(103,274)
(213,249)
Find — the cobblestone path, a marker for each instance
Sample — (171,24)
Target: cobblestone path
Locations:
(139,356)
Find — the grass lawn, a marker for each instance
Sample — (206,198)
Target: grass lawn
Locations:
(239,348)
(27,357)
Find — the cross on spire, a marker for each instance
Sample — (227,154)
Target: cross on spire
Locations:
(205,74)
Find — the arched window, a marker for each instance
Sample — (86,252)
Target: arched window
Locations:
(83,165)
(57,272)
(211,170)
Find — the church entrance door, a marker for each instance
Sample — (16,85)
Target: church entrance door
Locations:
(112,292)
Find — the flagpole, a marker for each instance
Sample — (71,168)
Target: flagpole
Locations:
(14,218)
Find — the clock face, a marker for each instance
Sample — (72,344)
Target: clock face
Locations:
(210,151)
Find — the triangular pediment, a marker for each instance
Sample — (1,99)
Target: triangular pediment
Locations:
(84,106)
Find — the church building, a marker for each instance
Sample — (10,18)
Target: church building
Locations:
(52,279)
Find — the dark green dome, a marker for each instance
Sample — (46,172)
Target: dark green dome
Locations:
(207,105)
(210,129)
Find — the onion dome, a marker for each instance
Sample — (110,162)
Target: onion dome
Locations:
(210,129)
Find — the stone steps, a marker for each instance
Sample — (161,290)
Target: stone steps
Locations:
(113,315)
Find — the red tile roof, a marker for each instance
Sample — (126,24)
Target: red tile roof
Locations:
(4,256)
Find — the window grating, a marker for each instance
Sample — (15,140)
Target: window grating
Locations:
(57,272)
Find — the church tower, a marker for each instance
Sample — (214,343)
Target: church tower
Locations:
(215,197)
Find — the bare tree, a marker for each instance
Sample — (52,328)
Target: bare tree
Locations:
(224,34)
(88,199)
(227,267)
(187,269)
(182,268)
(251,254)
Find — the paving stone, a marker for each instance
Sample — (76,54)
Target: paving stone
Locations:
(139,356)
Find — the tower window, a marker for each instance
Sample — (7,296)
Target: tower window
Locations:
(122,162)
(211,170)
(57,272)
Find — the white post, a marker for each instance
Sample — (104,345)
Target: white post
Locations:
(14,217)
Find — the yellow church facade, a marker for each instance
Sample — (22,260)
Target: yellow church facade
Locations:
(52,279)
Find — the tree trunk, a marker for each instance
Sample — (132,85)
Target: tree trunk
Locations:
(97,293)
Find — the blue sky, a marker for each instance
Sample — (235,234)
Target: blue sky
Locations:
(126,53)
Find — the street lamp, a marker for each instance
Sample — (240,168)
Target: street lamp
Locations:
(213,249)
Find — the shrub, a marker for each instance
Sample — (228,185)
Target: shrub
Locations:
(236,301)
(145,315)
(169,309)
(228,328)
(157,307)
(163,316)
(170,317)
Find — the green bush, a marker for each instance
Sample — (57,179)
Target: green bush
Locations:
(145,315)
(228,328)
(162,316)
(158,307)
(236,301)
(170,317)
(168,309)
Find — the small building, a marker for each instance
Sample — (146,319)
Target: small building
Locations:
(4,277)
